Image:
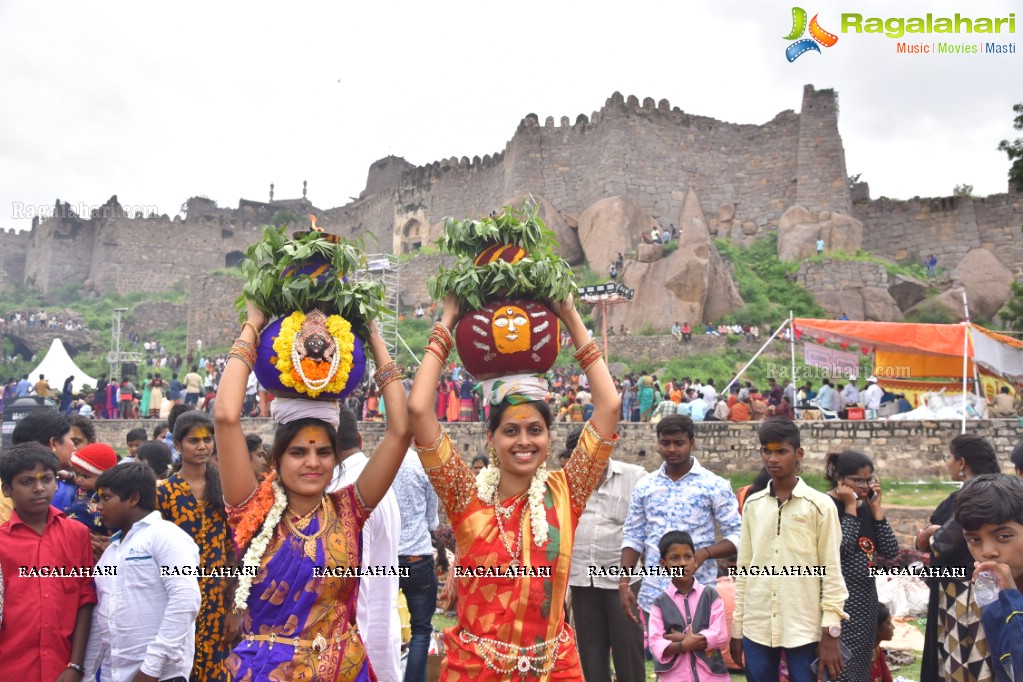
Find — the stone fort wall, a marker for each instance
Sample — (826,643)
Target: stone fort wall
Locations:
(645,151)
(648,152)
(948,227)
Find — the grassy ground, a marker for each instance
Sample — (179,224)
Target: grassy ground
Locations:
(925,494)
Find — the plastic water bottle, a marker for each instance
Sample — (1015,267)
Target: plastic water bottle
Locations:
(985,588)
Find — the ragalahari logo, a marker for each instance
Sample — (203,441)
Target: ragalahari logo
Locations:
(818,35)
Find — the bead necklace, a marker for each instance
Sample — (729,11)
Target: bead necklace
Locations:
(507,512)
(309,541)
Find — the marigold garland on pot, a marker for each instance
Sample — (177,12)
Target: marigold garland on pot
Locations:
(310,369)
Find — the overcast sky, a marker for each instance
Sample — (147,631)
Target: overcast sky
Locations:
(159,102)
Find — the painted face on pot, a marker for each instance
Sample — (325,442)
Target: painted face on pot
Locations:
(511,329)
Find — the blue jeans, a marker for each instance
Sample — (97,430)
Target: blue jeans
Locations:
(762,661)
(420,589)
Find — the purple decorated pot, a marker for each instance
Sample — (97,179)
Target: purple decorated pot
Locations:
(270,377)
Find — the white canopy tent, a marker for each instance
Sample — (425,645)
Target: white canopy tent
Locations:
(57,366)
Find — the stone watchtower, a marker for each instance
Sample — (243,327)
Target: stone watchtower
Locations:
(822,183)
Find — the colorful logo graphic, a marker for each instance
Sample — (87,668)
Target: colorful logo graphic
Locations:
(818,35)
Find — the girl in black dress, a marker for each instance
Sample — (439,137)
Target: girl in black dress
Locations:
(865,536)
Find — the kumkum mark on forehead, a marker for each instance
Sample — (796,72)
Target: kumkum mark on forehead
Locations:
(202,433)
(774,447)
(520,412)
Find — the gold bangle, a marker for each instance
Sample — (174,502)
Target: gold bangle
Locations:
(441,341)
(246,323)
(388,380)
(442,327)
(432,351)
(240,357)
(592,345)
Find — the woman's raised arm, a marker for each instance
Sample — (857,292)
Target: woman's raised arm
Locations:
(607,404)
(380,470)
(422,399)
(236,475)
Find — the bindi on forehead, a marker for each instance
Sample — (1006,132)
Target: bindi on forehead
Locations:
(201,432)
(310,435)
(520,412)
(775,447)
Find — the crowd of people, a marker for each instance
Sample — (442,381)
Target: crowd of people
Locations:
(200,555)
(181,499)
(42,319)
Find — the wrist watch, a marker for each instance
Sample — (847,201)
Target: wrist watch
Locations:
(835,631)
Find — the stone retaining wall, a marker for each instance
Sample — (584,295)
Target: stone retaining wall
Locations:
(904,451)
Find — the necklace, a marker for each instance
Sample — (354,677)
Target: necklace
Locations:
(506,512)
(309,541)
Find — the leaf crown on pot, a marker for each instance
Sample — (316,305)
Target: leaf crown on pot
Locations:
(538,273)
(311,271)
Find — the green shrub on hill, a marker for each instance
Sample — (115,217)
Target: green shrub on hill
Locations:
(766,284)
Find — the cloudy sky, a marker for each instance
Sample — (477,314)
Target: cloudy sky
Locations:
(160,102)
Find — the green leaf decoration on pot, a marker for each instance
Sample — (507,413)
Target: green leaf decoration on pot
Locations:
(311,271)
(507,255)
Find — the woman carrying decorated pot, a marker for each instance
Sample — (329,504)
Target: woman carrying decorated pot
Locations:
(514,522)
(301,543)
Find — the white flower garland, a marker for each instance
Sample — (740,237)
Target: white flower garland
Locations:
(489,478)
(254,554)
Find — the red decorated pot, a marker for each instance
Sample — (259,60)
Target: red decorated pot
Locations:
(505,252)
(508,337)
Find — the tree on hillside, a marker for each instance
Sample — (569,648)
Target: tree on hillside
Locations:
(963,190)
(1015,151)
(1012,312)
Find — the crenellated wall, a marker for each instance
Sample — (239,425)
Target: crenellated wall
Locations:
(648,152)
(948,227)
(645,151)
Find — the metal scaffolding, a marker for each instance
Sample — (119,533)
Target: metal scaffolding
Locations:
(384,267)
(116,357)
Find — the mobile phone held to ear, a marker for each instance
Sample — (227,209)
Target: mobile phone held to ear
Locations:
(872,494)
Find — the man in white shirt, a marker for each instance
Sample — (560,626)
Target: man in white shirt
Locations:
(415,552)
(872,396)
(602,628)
(144,622)
(826,396)
(710,394)
(377,613)
(850,393)
(251,388)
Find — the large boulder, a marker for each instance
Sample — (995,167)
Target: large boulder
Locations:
(842,233)
(986,280)
(722,294)
(879,306)
(568,238)
(695,283)
(797,234)
(945,307)
(848,301)
(799,229)
(610,226)
(907,291)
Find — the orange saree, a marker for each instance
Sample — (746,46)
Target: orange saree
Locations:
(513,627)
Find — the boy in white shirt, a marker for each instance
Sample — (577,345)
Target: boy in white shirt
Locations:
(144,623)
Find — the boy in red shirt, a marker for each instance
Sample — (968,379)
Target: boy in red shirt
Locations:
(46,562)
